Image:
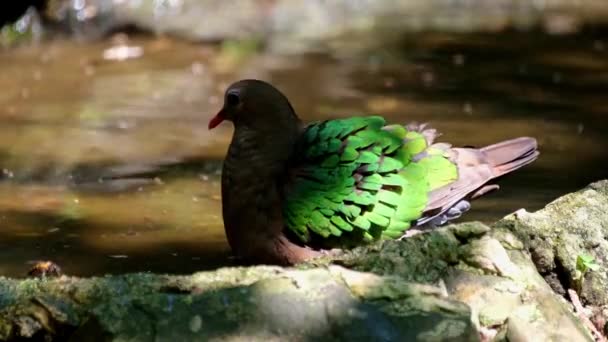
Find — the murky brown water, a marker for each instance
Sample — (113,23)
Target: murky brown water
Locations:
(67,116)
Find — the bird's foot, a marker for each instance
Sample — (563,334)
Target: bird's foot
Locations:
(451,214)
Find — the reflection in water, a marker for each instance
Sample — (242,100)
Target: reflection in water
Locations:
(69,117)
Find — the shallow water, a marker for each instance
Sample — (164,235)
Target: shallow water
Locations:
(68,117)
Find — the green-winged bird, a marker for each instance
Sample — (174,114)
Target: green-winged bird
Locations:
(291,191)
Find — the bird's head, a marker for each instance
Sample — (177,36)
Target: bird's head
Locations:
(255,104)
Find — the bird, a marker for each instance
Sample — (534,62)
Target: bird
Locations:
(292,191)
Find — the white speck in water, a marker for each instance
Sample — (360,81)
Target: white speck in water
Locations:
(123,52)
(8,173)
(194,199)
(174,254)
(76,200)
(428,78)
(467,108)
(124,124)
(118,256)
(458,59)
(196,323)
(53,230)
(580,128)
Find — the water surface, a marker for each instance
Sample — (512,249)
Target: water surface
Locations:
(69,117)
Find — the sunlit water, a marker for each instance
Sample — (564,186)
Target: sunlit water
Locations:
(68,117)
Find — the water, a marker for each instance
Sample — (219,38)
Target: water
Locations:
(68,117)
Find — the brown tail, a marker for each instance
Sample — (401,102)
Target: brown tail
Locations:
(476,167)
(510,155)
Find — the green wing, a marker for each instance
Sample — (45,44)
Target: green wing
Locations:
(361,179)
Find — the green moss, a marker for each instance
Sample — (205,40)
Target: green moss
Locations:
(423,258)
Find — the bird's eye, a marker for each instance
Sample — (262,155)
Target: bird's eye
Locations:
(232,99)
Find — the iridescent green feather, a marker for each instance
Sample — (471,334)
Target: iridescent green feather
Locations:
(359,179)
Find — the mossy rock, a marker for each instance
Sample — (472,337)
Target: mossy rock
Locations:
(571,226)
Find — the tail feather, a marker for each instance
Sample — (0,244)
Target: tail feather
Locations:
(510,155)
(477,167)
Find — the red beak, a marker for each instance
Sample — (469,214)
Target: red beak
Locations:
(216,120)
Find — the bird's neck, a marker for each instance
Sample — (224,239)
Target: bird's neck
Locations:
(258,154)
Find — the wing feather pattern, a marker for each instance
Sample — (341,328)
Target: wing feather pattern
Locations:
(360,178)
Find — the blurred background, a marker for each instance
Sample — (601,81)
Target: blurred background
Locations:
(94,91)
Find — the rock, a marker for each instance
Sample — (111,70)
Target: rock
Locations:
(259,303)
(488,255)
(573,225)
